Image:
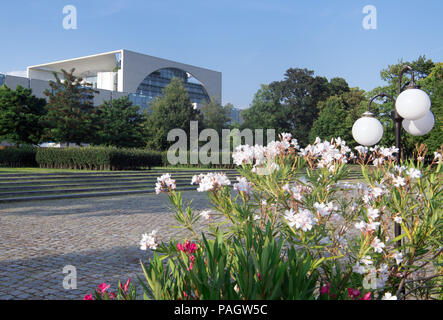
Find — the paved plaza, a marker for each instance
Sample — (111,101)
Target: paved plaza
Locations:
(98,236)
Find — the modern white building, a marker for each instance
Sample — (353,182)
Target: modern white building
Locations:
(126,73)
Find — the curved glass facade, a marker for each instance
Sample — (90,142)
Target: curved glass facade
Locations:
(2,79)
(152,86)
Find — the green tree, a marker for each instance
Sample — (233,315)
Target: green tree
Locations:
(433,84)
(265,112)
(172,110)
(300,93)
(71,116)
(20,113)
(337,115)
(428,75)
(120,124)
(215,115)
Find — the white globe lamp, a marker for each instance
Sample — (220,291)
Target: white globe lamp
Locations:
(367,130)
(420,126)
(413,104)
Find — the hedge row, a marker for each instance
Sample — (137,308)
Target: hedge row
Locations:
(100,158)
(97,158)
(220,157)
(18,157)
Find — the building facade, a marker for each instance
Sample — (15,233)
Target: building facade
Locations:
(126,73)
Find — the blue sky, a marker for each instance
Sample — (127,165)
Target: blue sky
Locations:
(250,41)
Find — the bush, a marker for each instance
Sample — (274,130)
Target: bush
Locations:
(18,157)
(97,158)
(199,164)
(283,236)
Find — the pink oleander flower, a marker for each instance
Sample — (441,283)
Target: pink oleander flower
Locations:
(187,247)
(353,293)
(88,297)
(325,289)
(126,286)
(367,296)
(103,287)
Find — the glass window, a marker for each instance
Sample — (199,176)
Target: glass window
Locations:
(2,79)
(152,86)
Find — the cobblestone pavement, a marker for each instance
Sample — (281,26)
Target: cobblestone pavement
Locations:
(98,236)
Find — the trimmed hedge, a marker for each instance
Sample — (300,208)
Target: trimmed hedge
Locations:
(18,157)
(199,164)
(97,158)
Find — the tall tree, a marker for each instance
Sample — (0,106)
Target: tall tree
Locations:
(70,117)
(215,115)
(266,112)
(172,110)
(337,115)
(20,113)
(300,93)
(120,124)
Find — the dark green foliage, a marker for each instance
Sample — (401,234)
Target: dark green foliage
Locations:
(173,110)
(216,116)
(20,113)
(97,158)
(71,116)
(266,112)
(18,157)
(337,116)
(188,164)
(291,105)
(120,124)
(430,76)
(300,93)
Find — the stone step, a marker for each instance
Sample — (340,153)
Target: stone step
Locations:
(72,190)
(85,195)
(106,175)
(37,182)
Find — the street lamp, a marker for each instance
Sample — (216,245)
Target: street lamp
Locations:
(412,111)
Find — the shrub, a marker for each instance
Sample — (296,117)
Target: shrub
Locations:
(97,158)
(283,236)
(18,157)
(199,164)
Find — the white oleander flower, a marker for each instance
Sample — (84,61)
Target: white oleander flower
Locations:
(325,209)
(398,256)
(303,219)
(366,260)
(206,214)
(377,245)
(398,181)
(414,173)
(149,241)
(361,149)
(361,226)
(357,268)
(372,225)
(389,296)
(210,181)
(243,185)
(164,183)
(373,213)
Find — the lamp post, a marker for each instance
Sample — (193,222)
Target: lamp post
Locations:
(412,111)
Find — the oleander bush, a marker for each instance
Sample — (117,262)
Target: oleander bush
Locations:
(294,227)
(97,158)
(18,157)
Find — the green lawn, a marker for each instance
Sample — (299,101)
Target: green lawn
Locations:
(43,170)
